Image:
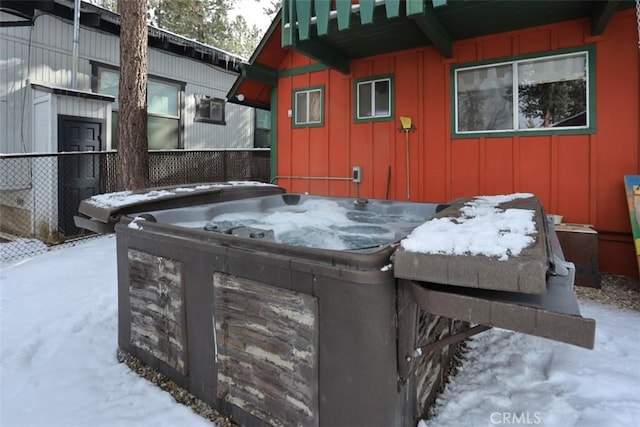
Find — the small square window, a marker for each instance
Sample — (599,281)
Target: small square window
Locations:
(210,110)
(308,107)
(374,99)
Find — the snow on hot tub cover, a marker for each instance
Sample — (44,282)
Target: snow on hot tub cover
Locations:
(483,228)
(123,198)
(488,242)
(104,208)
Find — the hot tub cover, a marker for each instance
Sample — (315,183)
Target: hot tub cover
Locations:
(460,263)
(99,213)
(531,292)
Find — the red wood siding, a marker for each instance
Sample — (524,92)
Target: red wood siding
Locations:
(578,176)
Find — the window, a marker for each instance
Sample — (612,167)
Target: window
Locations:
(108,82)
(374,99)
(308,107)
(163,108)
(262,138)
(529,95)
(210,110)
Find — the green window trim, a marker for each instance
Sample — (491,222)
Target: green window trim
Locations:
(274,135)
(289,72)
(362,83)
(591,116)
(308,112)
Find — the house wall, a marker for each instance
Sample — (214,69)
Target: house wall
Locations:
(578,176)
(42,54)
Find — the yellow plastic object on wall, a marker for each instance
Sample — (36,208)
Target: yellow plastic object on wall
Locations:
(405,122)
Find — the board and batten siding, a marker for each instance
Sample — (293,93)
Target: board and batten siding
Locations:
(579,176)
(42,54)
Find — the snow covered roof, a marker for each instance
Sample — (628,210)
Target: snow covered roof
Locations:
(97,17)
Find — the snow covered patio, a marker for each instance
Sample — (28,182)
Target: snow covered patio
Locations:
(58,344)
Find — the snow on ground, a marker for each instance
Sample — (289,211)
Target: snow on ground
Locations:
(22,247)
(510,378)
(58,366)
(58,341)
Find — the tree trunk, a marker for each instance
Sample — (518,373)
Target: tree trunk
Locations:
(133,157)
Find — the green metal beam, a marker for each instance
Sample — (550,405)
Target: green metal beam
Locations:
(392,8)
(343,7)
(288,22)
(303,17)
(366,11)
(602,13)
(274,134)
(324,55)
(322,9)
(432,28)
(260,73)
(415,7)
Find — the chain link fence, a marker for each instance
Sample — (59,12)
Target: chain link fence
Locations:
(40,193)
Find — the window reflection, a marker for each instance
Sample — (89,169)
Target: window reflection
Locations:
(382,98)
(552,93)
(364,100)
(301,108)
(485,99)
(549,92)
(374,99)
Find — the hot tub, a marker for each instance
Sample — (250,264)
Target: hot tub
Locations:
(269,324)
(310,325)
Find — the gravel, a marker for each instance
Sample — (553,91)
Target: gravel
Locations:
(621,291)
(179,394)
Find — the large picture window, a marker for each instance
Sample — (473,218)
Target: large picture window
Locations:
(550,93)
(308,107)
(374,99)
(163,109)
